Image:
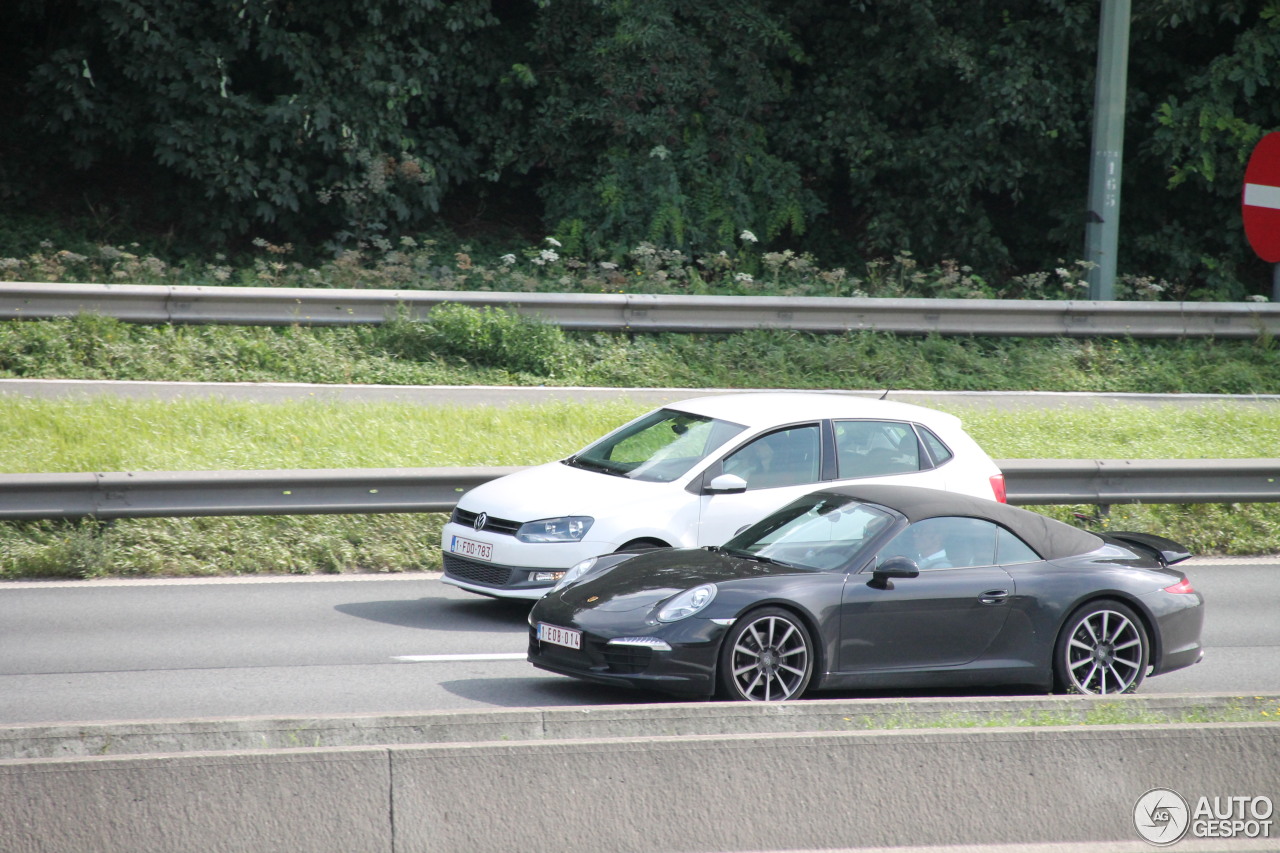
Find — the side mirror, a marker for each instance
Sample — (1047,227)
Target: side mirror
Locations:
(894,567)
(728,484)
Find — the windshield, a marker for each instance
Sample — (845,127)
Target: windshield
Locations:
(659,447)
(816,532)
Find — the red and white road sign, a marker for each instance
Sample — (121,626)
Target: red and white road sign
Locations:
(1261,204)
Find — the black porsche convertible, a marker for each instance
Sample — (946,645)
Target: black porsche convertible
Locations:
(878,587)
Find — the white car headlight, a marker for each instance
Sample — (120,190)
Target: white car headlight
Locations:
(568,529)
(687,603)
(577,571)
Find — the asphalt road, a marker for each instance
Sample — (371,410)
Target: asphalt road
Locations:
(129,650)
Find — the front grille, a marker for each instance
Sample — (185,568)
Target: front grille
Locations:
(627,660)
(482,573)
(504,526)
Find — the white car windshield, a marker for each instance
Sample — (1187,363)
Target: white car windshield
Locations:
(660,447)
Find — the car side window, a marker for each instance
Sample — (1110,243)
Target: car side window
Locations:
(787,457)
(939,451)
(875,448)
(945,543)
(1010,549)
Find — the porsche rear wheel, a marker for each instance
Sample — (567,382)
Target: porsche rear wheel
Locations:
(767,657)
(1103,648)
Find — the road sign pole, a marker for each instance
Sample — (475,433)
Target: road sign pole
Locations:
(1102,227)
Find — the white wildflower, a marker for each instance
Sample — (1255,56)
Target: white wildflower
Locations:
(554,242)
(508,259)
(747,237)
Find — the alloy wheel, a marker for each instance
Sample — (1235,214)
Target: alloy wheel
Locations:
(1105,651)
(768,657)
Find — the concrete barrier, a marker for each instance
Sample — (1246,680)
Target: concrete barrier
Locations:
(640,778)
(502,725)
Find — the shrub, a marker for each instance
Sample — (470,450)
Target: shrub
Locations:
(484,336)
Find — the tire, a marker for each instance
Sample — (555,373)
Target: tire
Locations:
(767,656)
(1103,648)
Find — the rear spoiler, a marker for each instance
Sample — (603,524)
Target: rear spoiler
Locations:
(1166,550)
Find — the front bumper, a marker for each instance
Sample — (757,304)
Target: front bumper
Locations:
(495,580)
(687,669)
(510,566)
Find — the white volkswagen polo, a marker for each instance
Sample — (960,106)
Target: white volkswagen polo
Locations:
(694,473)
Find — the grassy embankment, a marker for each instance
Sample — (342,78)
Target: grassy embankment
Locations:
(461,346)
(111,434)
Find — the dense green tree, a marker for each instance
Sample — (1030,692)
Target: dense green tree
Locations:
(658,119)
(949,128)
(312,117)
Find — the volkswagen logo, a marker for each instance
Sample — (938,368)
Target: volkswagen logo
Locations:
(481,520)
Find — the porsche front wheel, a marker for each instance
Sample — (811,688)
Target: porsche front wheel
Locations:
(767,657)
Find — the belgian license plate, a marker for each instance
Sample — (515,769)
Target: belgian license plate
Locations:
(566,637)
(468,548)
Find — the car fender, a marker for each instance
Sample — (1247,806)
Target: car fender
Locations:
(732,604)
(1130,600)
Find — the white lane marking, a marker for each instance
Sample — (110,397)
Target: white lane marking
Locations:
(1262,195)
(452,658)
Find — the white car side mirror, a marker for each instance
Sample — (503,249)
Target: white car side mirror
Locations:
(727,484)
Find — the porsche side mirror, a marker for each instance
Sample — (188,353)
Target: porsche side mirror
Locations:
(894,567)
(727,484)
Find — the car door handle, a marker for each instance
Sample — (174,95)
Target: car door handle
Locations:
(994,596)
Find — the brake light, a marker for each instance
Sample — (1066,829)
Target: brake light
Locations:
(1182,587)
(997,486)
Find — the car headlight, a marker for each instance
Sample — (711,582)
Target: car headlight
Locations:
(568,529)
(687,603)
(577,571)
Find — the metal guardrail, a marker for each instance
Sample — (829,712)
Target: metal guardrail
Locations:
(204,493)
(273,306)
(376,490)
(1152,481)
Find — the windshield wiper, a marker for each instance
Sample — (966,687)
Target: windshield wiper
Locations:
(759,558)
(592,465)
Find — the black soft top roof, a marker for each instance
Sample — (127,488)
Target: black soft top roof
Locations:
(1051,539)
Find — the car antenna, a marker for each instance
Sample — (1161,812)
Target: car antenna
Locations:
(885,394)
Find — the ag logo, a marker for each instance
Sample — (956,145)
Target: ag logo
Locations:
(1161,816)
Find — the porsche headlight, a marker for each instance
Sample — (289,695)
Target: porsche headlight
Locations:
(687,603)
(567,529)
(577,571)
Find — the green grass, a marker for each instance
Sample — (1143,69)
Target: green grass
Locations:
(116,434)
(462,346)
(1116,711)
(109,434)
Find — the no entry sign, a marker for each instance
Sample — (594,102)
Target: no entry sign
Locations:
(1261,205)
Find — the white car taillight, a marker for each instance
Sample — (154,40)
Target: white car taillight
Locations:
(997,486)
